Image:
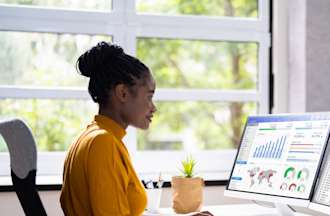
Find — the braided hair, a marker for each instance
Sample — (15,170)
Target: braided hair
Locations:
(107,65)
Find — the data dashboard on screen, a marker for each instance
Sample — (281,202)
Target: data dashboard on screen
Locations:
(280,155)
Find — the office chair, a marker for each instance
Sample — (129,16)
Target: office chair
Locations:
(23,163)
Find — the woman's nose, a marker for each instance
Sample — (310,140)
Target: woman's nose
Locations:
(154,108)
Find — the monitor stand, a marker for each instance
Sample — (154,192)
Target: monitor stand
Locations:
(284,210)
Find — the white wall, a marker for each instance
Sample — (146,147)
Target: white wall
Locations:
(318,55)
(301,55)
(213,195)
(9,204)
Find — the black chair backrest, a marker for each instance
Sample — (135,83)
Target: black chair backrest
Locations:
(23,163)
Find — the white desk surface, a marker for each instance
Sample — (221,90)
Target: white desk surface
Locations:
(227,210)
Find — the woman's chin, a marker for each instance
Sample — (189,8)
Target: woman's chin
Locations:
(143,126)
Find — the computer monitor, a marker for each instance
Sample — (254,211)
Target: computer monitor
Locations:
(321,195)
(278,159)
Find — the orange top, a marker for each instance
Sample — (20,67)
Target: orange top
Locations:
(99,178)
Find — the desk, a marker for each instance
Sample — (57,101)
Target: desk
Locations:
(228,210)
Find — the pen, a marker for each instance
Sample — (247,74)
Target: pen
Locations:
(160,181)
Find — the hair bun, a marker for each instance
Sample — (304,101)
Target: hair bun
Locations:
(92,60)
(113,50)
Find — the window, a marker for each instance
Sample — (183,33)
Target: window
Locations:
(209,59)
(53,122)
(195,126)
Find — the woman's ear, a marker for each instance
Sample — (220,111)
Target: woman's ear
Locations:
(121,92)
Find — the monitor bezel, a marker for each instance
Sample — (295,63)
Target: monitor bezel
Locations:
(267,198)
(273,197)
(323,208)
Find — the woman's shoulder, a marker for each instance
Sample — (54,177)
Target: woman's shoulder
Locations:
(100,135)
(94,134)
(99,141)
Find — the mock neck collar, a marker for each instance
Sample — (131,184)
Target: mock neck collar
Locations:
(111,125)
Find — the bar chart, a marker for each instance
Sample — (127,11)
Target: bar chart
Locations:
(271,149)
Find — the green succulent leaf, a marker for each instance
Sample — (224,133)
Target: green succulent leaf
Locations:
(188,166)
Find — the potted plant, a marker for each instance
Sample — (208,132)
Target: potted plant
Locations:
(187,189)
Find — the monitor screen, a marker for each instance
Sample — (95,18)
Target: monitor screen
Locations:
(280,155)
(321,193)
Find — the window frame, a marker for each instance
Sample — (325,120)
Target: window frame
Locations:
(124,25)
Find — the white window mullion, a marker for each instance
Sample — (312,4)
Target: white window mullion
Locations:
(130,139)
(129,6)
(206,95)
(43,93)
(263,57)
(119,36)
(58,20)
(263,73)
(190,21)
(130,41)
(35,13)
(5,164)
(264,14)
(160,95)
(118,6)
(49,163)
(209,34)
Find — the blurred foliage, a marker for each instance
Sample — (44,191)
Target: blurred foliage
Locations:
(193,126)
(240,8)
(40,59)
(199,64)
(54,123)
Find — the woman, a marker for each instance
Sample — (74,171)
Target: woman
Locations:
(99,178)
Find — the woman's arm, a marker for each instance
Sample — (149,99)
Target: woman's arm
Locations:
(107,182)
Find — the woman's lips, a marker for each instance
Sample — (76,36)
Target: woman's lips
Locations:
(149,118)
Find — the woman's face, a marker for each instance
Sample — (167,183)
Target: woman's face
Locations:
(139,108)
